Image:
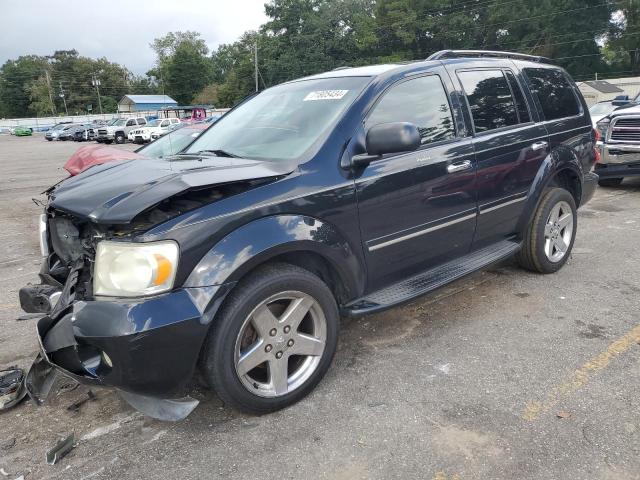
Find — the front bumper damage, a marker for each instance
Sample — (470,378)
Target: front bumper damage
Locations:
(146,348)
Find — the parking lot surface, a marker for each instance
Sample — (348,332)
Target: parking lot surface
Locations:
(503,375)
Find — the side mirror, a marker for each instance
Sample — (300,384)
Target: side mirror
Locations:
(385,138)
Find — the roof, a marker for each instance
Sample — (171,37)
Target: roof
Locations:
(143,99)
(367,71)
(603,86)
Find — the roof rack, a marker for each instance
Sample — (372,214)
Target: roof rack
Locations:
(442,54)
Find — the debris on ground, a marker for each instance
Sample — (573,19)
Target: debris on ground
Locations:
(12,390)
(563,414)
(9,443)
(75,406)
(60,449)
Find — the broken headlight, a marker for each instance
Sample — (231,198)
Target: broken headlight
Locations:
(125,269)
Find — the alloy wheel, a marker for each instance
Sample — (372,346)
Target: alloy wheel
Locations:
(280,344)
(558,232)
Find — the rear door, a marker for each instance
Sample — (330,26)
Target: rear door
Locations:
(510,144)
(564,111)
(417,209)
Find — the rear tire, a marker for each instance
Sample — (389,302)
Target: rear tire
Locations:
(257,356)
(610,182)
(549,238)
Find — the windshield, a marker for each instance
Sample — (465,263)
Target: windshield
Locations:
(171,143)
(283,122)
(153,123)
(119,122)
(602,108)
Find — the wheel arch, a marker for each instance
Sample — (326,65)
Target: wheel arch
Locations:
(300,240)
(560,168)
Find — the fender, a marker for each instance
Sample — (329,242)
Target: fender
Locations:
(262,239)
(561,158)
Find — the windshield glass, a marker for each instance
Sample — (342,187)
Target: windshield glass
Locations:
(171,143)
(601,108)
(283,122)
(119,122)
(153,123)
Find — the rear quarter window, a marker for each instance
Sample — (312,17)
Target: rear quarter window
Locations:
(555,94)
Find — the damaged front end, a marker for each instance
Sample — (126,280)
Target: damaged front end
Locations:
(146,346)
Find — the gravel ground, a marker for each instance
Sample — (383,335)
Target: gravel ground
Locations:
(505,374)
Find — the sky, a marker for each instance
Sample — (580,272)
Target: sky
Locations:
(120,30)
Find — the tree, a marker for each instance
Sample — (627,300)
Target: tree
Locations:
(16,77)
(182,64)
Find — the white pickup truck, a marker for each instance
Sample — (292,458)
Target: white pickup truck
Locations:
(118,129)
(152,130)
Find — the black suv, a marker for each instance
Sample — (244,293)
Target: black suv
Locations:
(343,193)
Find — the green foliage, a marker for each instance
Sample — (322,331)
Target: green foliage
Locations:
(183,67)
(302,37)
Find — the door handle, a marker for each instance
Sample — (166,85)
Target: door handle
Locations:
(539,146)
(459,166)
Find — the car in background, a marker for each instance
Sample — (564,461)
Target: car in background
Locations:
(158,126)
(619,144)
(602,109)
(170,144)
(54,132)
(171,128)
(21,131)
(66,133)
(84,133)
(118,129)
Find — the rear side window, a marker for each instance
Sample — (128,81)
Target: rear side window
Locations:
(421,101)
(554,91)
(518,96)
(490,100)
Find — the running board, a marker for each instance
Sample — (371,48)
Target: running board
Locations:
(430,280)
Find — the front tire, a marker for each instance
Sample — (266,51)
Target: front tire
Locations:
(549,238)
(610,182)
(120,138)
(273,340)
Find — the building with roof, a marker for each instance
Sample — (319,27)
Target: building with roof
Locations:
(595,91)
(142,103)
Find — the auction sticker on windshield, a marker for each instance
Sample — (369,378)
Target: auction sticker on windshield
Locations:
(325,95)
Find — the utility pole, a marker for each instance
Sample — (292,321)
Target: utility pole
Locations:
(95,81)
(596,76)
(63,100)
(53,107)
(255,50)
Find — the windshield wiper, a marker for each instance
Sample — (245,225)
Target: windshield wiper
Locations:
(219,153)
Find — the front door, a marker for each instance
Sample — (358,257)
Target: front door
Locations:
(417,209)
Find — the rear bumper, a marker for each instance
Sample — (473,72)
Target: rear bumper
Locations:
(147,346)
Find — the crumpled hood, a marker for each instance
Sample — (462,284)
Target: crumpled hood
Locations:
(114,193)
(91,155)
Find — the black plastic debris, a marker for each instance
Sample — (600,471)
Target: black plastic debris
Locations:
(12,389)
(60,449)
(75,406)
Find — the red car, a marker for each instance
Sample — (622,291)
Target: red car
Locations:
(167,145)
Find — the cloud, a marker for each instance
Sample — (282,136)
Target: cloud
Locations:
(120,30)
